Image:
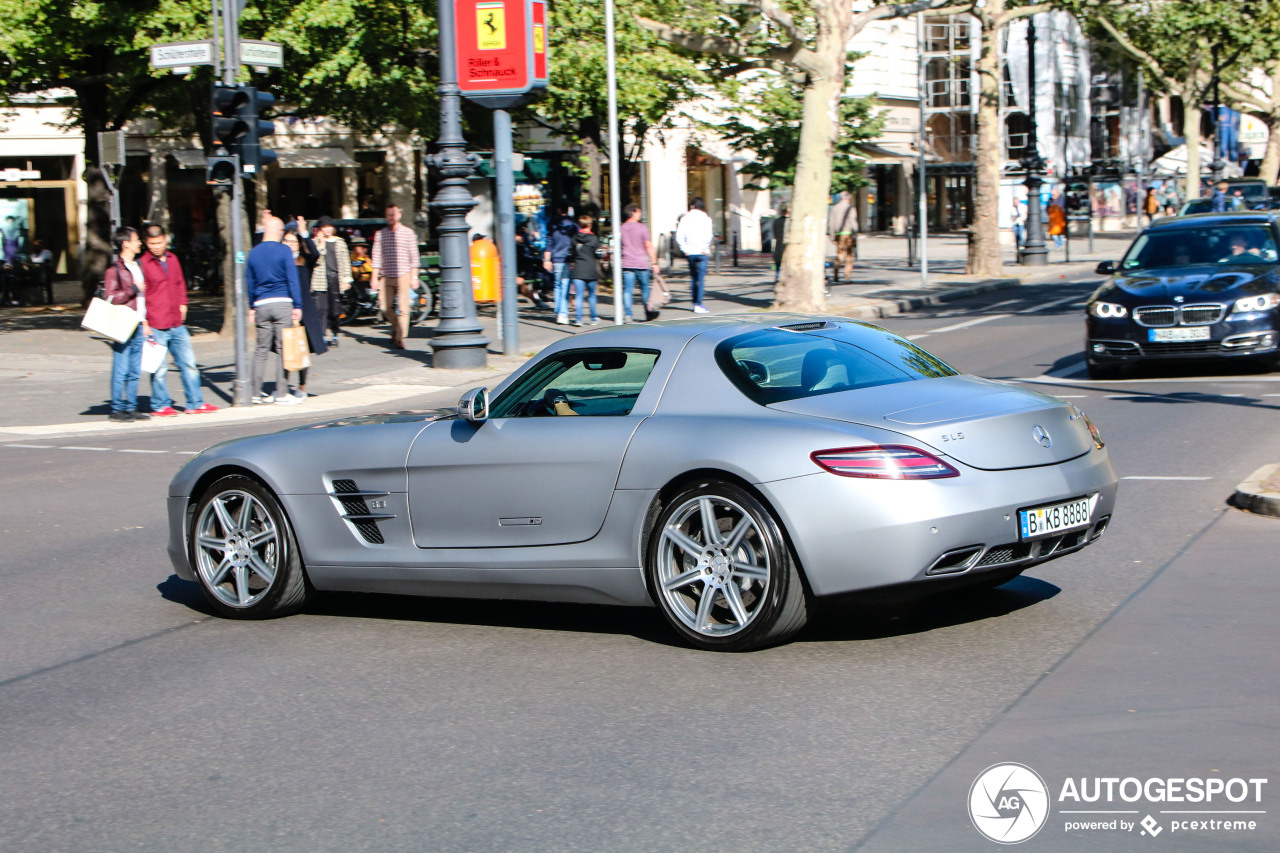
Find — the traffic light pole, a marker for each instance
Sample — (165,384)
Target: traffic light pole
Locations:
(241,392)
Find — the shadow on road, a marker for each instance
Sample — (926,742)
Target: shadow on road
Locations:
(848,620)
(864,619)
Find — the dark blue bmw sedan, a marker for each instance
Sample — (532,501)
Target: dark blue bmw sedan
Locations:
(1190,287)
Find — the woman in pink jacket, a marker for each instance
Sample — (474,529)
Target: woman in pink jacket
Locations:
(124,285)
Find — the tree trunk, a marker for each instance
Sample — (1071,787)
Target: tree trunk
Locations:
(802,278)
(228,264)
(97,249)
(985,257)
(1191,132)
(595,173)
(1269,171)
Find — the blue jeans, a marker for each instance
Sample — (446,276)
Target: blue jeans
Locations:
(697,276)
(629,279)
(560,274)
(590,287)
(126,367)
(178,340)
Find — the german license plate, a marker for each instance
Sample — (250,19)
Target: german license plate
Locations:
(1055,518)
(1190,333)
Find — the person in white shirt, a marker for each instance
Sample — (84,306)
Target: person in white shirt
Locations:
(694,235)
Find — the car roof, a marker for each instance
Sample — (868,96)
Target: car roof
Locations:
(1234,217)
(677,332)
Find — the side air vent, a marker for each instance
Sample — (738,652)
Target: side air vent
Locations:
(357,511)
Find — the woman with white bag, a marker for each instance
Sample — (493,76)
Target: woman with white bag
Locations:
(124,285)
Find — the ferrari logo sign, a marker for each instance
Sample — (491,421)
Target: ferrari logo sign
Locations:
(491,26)
(501,50)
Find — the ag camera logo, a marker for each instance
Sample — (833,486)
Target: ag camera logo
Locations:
(1008,803)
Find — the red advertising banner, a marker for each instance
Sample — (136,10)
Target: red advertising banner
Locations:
(540,41)
(495,46)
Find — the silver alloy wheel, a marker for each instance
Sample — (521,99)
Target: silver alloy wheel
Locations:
(238,550)
(713,566)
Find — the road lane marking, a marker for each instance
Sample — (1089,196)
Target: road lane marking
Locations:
(73,447)
(34,446)
(1053,304)
(143,451)
(1143,477)
(957,326)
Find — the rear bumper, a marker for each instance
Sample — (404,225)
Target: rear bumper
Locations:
(852,534)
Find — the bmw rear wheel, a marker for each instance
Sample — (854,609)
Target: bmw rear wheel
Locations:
(244,553)
(721,571)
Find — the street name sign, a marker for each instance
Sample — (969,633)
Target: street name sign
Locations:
(264,54)
(182,54)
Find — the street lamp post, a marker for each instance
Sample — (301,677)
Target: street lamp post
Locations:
(458,343)
(1034,252)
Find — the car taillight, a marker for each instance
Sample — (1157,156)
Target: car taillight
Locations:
(884,462)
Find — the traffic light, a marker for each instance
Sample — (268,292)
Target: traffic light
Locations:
(219,171)
(238,128)
(252,155)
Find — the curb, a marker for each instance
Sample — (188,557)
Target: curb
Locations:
(322,404)
(1260,493)
(890,307)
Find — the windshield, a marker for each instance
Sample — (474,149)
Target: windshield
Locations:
(775,365)
(1207,244)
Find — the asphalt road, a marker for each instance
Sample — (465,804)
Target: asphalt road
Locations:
(131,719)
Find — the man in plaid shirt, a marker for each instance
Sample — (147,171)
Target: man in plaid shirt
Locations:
(395,273)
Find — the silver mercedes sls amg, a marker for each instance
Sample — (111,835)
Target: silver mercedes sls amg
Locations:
(730,470)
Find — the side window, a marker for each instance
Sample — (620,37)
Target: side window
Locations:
(599,383)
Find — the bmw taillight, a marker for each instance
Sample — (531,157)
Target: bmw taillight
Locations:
(884,462)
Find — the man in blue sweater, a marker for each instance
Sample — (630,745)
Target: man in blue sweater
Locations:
(275,300)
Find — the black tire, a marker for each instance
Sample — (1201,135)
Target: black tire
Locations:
(231,572)
(1103,371)
(775,606)
(421,305)
(350,302)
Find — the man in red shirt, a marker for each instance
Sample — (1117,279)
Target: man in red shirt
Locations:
(167,316)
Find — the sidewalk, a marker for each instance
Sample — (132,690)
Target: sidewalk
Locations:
(55,376)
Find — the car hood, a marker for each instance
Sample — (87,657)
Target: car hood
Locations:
(381,418)
(1216,283)
(980,422)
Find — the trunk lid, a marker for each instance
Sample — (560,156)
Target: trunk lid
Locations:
(980,422)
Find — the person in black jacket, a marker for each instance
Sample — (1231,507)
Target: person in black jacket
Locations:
(586,268)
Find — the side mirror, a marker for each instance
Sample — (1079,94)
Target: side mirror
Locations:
(474,405)
(1106,268)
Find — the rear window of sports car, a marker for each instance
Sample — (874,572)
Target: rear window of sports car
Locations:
(775,365)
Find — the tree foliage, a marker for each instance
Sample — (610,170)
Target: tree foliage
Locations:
(763,117)
(1184,45)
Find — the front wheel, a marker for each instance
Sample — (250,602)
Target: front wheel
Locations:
(721,571)
(421,304)
(244,552)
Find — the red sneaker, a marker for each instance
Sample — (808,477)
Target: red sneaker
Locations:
(165,412)
(202,409)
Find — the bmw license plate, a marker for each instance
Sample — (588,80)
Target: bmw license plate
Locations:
(1055,518)
(1190,333)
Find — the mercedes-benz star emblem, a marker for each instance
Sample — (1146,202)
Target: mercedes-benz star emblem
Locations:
(1041,436)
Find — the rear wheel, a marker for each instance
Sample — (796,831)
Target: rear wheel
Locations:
(244,552)
(721,571)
